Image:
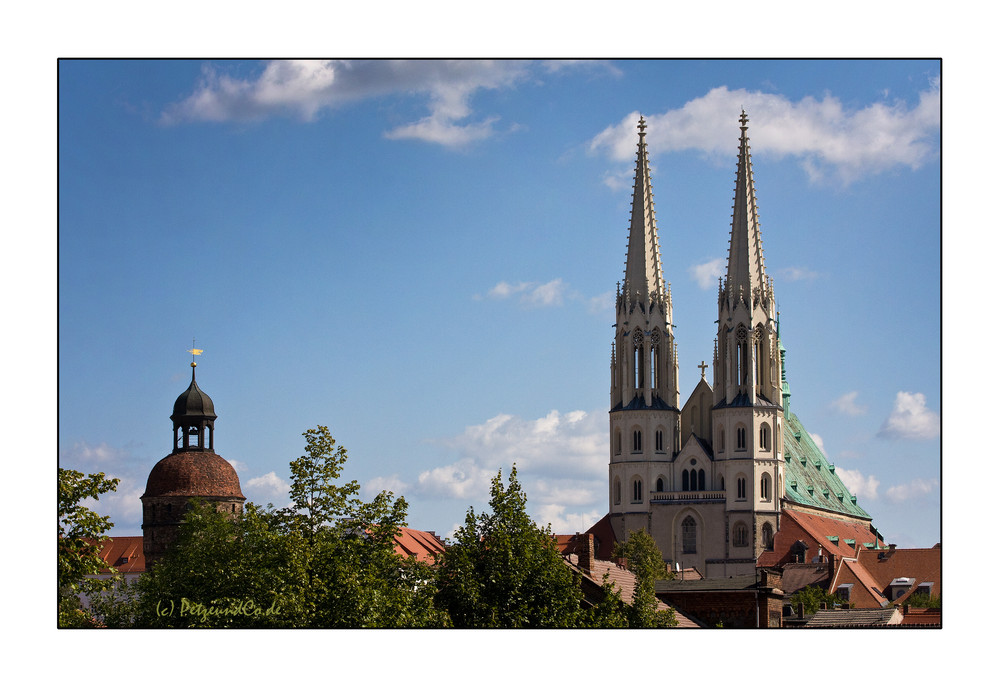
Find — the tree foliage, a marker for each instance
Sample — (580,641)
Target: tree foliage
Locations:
(81,532)
(646,562)
(812,597)
(327,560)
(505,572)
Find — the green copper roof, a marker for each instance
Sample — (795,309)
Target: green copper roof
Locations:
(810,479)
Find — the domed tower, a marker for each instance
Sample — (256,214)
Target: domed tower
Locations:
(192,471)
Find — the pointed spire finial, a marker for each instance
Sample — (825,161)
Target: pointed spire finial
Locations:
(642,126)
(743,120)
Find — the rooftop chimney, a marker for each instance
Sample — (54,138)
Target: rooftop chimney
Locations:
(585,551)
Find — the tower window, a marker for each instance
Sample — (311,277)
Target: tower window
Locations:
(659,484)
(637,491)
(659,440)
(767,536)
(618,442)
(689,535)
(741,438)
(741,536)
(618,491)
(636,441)
(741,488)
(765,437)
(765,487)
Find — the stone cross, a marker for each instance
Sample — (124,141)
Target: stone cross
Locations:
(703,367)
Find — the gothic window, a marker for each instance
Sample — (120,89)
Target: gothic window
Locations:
(689,535)
(765,436)
(767,536)
(659,484)
(741,536)
(685,481)
(765,487)
(659,440)
(638,359)
(637,491)
(722,440)
(722,483)
(618,442)
(701,479)
(741,355)
(741,488)
(636,441)
(618,491)
(741,438)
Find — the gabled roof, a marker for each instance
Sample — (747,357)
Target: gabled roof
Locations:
(810,479)
(855,617)
(623,580)
(923,566)
(865,590)
(796,576)
(424,546)
(838,536)
(124,554)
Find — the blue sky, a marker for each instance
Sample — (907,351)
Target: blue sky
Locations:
(423,255)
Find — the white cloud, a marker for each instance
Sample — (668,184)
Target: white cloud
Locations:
(818,440)
(87,455)
(911,419)
(847,404)
(561,463)
(306,88)
(391,483)
(797,274)
(865,487)
(707,274)
(532,294)
(912,490)
(827,138)
(267,488)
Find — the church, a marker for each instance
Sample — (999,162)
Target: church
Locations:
(730,479)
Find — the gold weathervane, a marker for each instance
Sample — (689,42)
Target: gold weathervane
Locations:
(194,351)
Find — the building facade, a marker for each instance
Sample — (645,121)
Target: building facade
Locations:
(708,479)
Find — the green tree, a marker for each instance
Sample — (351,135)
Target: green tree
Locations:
(924,600)
(328,560)
(646,562)
(811,597)
(504,571)
(81,532)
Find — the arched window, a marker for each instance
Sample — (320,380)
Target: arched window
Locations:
(618,442)
(659,484)
(722,440)
(741,536)
(741,488)
(722,483)
(701,480)
(767,536)
(636,441)
(741,438)
(637,491)
(765,436)
(689,535)
(659,440)
(765,487)
(618,491)
(685,481)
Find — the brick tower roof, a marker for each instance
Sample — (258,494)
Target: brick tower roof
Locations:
(194,473)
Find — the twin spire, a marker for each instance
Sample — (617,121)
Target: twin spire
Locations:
(643,266)
(746,252)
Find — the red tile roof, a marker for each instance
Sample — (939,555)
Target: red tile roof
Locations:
(123,553)
(923,566)
(424,546)
(837,536)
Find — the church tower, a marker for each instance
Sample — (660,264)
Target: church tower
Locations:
(192,471)
(644,417)
(747,413)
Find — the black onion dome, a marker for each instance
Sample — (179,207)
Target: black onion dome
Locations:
(193,403)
